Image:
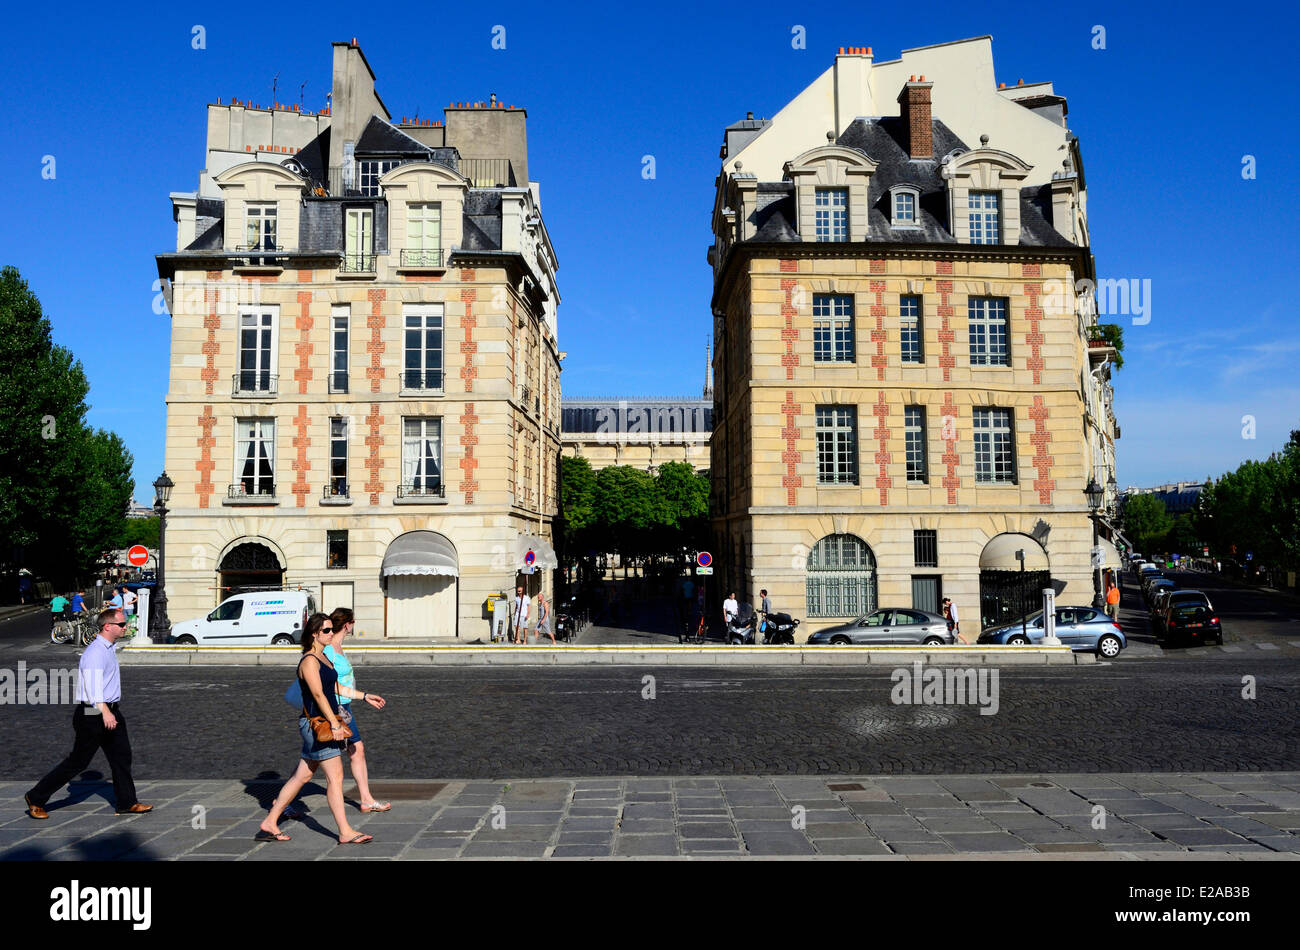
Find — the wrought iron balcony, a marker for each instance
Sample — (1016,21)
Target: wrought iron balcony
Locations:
(338,382)
(265,254)
(417,257)
(422,489)
(252,489)
(357,264)
(336,489)
(254,382)
(422,379)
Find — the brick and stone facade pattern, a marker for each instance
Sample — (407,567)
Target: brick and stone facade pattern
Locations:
(376,346)
(789,333)
(205,464)
(374,460)
(791,456)
(950,458)
(1034,339)
(1042,440)
(304,348)
(947,336)
(469,441)
(302,461)
(881,433)
(879,359)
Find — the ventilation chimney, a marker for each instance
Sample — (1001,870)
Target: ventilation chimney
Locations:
(914,108)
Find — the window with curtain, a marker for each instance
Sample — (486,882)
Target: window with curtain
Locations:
(255,456)
(424,235)
(259,226)
(422,455)
(359,240)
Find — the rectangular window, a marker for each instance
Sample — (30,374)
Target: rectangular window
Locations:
(925,547)
(832,214)
(423,347)
(983,217)
(994,448)
(339,326)
(359,240)
(832,328)
(423,235)
(421,456)
(336,549)
(837,445)
(988,331)
(255,457)
(927,591)
(257,345)
(371,171)
(904,207)
(338,478)
(910,329)
(259,226)
(914,443)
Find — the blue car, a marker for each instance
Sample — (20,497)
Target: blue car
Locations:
(1082,629)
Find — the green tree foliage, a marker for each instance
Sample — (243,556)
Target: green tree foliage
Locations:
(1145,521)
(64,489)
(140,531)
(1256,509)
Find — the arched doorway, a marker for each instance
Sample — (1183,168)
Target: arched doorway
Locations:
(841,579)
(419,578)
(1008,590)
(249,566)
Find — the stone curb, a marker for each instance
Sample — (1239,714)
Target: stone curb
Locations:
(504,655)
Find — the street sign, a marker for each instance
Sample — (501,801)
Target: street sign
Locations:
(1205,551)
(704,559)
(1249,556)
(138,556)
(1097,556)
(529,558)
(704,571)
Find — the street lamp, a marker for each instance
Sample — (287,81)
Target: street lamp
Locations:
(160,627)
(1095,495)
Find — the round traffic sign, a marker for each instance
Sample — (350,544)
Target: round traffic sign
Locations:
(529,558)
(704,559)
(138,556)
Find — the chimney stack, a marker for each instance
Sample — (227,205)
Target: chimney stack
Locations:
(914,108)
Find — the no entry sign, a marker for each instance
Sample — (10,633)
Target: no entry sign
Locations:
(138,556)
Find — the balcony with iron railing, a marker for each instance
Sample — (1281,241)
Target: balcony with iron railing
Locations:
(427,490)
(362,265)
(344,181)
(414,258)
(263,254)
(251,491)
(253,383)
(336,492)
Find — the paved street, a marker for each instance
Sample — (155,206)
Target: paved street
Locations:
(1131,816)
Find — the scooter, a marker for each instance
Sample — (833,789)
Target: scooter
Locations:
(740,628)
(779,628)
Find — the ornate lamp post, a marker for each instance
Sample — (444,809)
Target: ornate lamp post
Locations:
(160,627)
(1095,495)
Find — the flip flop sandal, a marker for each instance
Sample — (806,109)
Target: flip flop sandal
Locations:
(377,806)
(271,836)
(359,839)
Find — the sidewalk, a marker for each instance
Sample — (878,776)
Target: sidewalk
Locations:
(1106,816)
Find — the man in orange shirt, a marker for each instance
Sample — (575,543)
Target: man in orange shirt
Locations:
(1112,601)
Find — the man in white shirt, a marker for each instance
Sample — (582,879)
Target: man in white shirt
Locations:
(128,601)
(729,610)
(519,616)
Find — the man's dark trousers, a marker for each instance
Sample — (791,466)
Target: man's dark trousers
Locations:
(91,736)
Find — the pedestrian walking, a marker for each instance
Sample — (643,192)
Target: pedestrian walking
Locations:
(544,619)
(24,586)
(318,681)
(344,622)
(97,723)
(764,608)
(1112,601)
(519,622)
(954,624)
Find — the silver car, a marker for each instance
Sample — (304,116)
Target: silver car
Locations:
(888,626)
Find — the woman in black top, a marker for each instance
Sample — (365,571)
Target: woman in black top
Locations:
(318,682)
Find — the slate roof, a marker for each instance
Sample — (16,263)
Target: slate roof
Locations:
(884,141)
(381,138)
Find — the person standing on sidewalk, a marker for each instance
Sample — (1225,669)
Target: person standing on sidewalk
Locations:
(97,723)
(318,682)
(519,616)
(78,605)
(730,608)
(544,619)
(128,601)
(344,621)
(1112,601)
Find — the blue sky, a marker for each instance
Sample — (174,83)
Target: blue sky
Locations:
(1164,114)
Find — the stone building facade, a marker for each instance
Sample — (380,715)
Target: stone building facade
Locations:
(364,394)
(908,405)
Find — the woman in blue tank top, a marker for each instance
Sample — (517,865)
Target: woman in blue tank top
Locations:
(318,681)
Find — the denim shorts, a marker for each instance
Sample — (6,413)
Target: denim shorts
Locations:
(312,748)
(356,730)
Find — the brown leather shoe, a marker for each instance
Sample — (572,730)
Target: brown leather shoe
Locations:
(36,811)
(136,809)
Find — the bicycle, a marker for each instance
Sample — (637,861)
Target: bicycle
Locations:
(699,636)
(63,630)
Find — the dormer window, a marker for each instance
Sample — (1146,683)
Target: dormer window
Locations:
(984,217)
(372,170)
(259,228)
(832,217)
(905,206)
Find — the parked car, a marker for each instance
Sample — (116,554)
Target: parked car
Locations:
(1158,597)
(1082,629)
(257,618)
(1194,622)
(1156,584)
(1179,598)
(888,626)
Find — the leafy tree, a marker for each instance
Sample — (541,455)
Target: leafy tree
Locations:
(577,498)
(1145,520)
(140,531)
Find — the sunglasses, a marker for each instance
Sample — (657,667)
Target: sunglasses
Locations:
(326,629)
(115,623)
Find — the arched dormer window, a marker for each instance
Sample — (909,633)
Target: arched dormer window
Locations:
(425,204)
(262,201)
(905,206)
(831,184)
(984,196)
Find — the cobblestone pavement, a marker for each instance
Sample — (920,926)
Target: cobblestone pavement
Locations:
(231,723)
(1128,816)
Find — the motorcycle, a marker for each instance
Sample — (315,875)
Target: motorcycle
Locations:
(741,627)
(779,628)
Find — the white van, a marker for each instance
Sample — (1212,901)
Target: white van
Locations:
(257,618)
